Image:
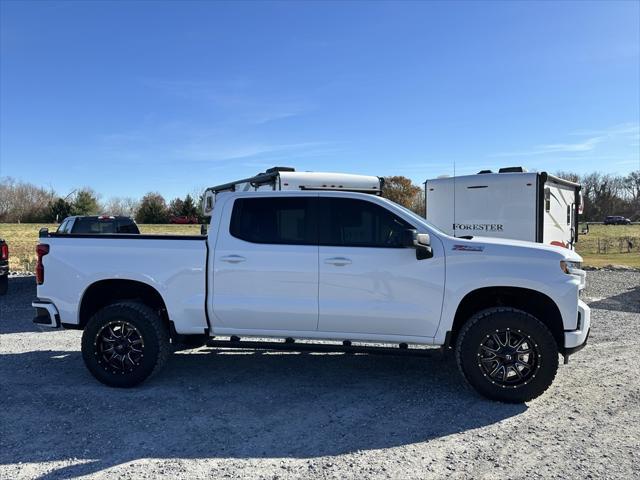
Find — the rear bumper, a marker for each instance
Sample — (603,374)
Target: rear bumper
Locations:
(46,314)
(574,340)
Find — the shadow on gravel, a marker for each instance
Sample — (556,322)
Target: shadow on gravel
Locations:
(221,404)
(628,301)
(16,312)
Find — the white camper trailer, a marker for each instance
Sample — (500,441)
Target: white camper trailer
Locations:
(286,178)
(512,203)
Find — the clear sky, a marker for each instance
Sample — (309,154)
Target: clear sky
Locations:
(130,97)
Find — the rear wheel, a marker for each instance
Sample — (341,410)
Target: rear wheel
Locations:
(507,355)
(124,343)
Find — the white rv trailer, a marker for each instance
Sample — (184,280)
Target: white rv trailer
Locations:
(513,203)
(286,178)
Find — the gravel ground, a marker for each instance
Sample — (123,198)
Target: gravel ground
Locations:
(220,414)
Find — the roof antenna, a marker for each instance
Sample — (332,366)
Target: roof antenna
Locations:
(454,198)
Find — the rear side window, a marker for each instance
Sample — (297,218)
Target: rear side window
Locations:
(275,220)
(358,223)
(93,225)
(63,227)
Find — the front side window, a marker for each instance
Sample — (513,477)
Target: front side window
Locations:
(275,220)
(351,222)
(127,226)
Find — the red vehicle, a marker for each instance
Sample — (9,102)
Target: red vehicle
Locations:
(184,219)
(4,267)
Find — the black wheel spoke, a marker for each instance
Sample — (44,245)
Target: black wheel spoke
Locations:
(508,357)
(119,346)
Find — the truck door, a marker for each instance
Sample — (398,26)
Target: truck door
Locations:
(369,283)
(265,266)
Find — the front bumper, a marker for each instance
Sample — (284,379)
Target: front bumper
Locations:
(46,314)
(574,340)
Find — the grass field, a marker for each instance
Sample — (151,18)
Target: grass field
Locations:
(22,239)
(603,245)
(609,245)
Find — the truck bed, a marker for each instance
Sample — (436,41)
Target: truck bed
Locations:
(174,265)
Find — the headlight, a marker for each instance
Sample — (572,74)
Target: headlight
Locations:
(567,266)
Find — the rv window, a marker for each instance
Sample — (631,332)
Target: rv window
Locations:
(275,220)
(547,199)
(568,214)
(358,223)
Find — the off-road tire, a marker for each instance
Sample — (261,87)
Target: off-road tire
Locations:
(146,324)
(484,324)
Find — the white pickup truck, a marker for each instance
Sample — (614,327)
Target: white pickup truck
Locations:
(307,265)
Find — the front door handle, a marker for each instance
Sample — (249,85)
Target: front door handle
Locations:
(232,259)
(338,261)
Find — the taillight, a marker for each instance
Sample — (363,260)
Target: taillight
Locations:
(41,250)
(4,252)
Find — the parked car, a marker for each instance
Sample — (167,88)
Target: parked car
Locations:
(4,267)
(616,220)
(183,219)
(97,225)
(331,265)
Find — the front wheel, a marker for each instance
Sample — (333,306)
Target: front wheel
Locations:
(507,355)
(124,343)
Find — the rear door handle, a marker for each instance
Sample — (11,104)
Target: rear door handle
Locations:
(338,261)
(232,259)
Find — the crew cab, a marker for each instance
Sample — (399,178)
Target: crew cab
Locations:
(308,265)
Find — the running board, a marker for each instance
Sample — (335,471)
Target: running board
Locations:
(346,347)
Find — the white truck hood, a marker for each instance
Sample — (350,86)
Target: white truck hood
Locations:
(563,253)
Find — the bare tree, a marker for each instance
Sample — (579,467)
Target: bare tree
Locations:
(126,206)
(23,202)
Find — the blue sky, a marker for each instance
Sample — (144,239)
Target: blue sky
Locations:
(173,96)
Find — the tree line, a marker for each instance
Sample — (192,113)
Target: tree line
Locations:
(604,194)
(23,202)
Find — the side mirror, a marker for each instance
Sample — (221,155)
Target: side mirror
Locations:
(208,202)
(203,229)
(409,238)
(420,241)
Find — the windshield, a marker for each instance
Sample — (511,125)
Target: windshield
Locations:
(420,220)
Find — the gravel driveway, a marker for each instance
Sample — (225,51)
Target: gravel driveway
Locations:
(220,414)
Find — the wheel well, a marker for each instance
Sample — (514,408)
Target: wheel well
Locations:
(537,304)
(105,292)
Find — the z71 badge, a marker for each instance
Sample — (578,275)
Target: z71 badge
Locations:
(468,248)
